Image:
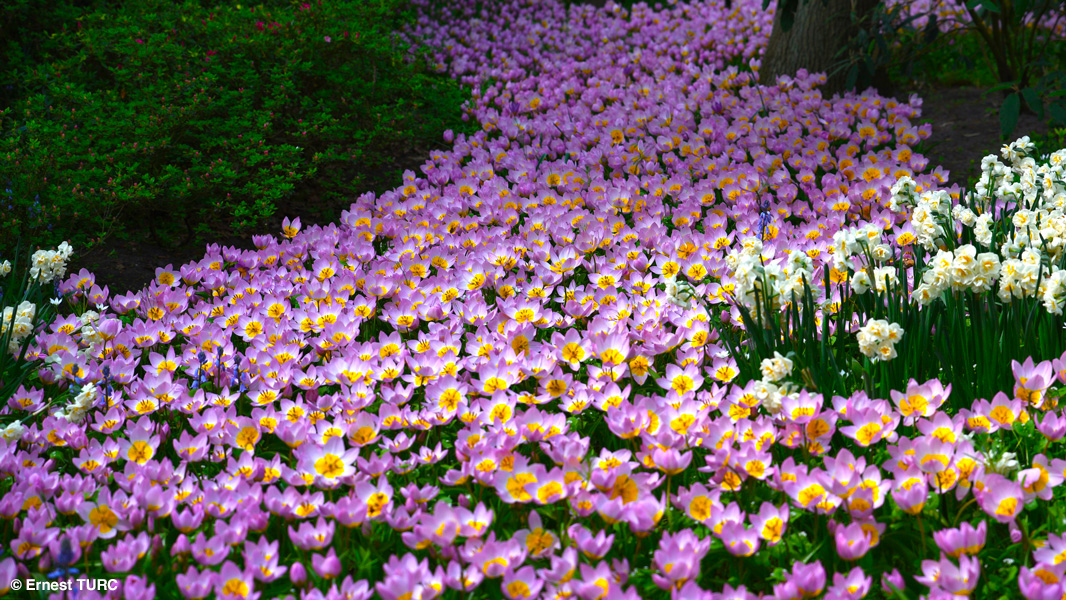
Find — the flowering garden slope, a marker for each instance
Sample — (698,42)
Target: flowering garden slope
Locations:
(516,375)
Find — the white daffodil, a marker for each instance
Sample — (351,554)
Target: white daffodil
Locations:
(13,432)
(776,368)
(878,339)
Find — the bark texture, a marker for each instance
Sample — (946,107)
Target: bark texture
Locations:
(821,29)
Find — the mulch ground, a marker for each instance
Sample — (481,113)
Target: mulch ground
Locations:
(965,129)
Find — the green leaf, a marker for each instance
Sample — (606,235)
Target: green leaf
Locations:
(1006,85)
(853,76)
(1008,114)
(1032,100)
(1057,112)
(988,5)
(788,13)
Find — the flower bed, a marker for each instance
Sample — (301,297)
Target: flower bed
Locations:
(584,354)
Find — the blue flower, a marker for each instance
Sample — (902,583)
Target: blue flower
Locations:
(66,552)
(63,573)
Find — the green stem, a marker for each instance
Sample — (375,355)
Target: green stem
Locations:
(958,515)
(921,528)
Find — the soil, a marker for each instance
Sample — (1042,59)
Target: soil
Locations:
(965,128)
(965,124)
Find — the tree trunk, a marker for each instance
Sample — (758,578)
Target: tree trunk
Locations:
(821,29)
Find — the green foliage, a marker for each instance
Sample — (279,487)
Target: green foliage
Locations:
(25,307)
(795,330)
(1046,97)
(1056,138)
(890,39)
(1029,66)
(958,334)
(187,117)
(995,46)
(962,338)
(25,28)
(954,59)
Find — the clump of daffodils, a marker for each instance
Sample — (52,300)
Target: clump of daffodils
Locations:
(883,279)
(48,265)
(1017,214)
(772,388)
(679,293)
(850,241)
(89,333)
(775,369)
(878,338)
(930,211)
(19,320)
(1054,294)
(958,270)
(76,411)
(756,275)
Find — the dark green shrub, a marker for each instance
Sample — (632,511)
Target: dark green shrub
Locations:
(1029,60)
(189,118)
(952,59)
(25,35)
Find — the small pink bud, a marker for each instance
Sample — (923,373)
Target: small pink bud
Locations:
(298,574)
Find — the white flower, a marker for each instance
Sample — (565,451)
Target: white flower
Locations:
(964,215)
(884,277)
(76,415)
(925,227)
(885,352)
(844,244)
(860,282)
(20,321)
(48,265)
(881,252)
(764,390)
(679,293)
(772,403)
(1021,218)
(776,368)
(1017,150)
(86,398)
(983,229)
(13,432)
(1054,292)
(963,267)
(5,268)
(902,194)
(924,295)
(1003,464)
(878,338)
(938,201)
